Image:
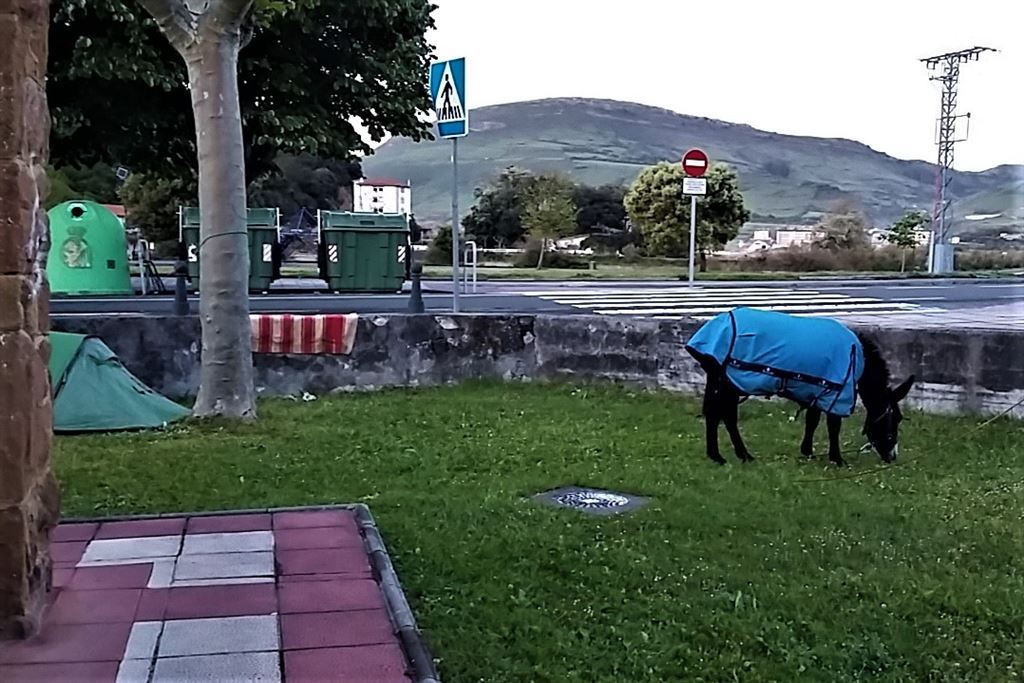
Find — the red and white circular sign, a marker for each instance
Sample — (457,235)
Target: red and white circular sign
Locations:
(696,163)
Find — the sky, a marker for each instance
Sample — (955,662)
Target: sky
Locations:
(820,68)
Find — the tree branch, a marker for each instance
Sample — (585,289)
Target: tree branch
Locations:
(174,19)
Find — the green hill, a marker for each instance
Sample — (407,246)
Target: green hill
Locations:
(785,178)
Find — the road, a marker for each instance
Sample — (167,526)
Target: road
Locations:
(993,302)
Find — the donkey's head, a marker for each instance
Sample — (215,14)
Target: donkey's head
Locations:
(882,424)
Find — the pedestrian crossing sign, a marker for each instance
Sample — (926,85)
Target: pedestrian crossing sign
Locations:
(448,93)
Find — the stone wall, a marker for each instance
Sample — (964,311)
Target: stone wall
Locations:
(957,371)
(28,491)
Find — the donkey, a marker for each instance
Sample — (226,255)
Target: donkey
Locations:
(816,362)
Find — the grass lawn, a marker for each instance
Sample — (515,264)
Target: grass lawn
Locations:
(746,573)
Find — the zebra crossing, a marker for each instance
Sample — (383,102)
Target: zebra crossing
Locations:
(703,303)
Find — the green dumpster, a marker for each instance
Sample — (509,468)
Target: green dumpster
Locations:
(363,252)
(88,252)
(263,226)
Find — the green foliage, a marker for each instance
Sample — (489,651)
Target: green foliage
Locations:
(495,219)
(657,207)
(97,182)
(151,204)
(902,233)
(118,90)
(549,211)
(531,256)
(600,208)
(846,228)
(305,181)
(439,253)
(729,574)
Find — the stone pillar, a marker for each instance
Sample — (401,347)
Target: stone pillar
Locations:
(29,499)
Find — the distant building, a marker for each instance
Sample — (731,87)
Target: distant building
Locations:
(382,195)
(880,237)
(796,238)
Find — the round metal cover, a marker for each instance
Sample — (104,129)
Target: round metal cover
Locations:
(592,500)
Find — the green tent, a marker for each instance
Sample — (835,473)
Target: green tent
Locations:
(92,391)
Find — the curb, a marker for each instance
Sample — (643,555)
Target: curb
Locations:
(413,644)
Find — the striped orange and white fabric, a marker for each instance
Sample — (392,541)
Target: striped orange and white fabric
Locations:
(304,334)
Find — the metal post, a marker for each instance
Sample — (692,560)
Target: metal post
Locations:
(470,265)
(142,265)
(455,225)
(416,293)
(180,288)
(693,233)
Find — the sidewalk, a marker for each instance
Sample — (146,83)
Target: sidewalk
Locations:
(1002,317)
(298,595)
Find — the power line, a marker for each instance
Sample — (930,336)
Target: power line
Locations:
(940,251)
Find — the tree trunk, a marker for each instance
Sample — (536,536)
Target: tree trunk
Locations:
(703,261)
(226,377)
(540,258)
(903,260)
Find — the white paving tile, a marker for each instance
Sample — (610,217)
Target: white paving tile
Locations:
(237,542)
(163,573)
(225,635)
(134,671)
(231,581)
(234,668)
(129,550)
(142,640)
(224,566)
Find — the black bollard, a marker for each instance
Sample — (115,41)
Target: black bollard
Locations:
(180,288)
(416,294)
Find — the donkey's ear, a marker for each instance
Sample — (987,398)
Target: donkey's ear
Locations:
(900,392)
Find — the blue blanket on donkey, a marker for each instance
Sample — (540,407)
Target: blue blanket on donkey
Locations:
(813,361)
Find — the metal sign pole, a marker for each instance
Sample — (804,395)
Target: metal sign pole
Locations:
(455,225)
(693,233)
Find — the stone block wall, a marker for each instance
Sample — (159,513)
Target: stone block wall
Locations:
(28,491)
(957,371)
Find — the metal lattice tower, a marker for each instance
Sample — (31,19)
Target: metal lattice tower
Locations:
(940,255)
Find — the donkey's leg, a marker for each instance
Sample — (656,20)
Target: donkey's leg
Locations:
(730,416)
(834,423)
(712,415)
(813,418)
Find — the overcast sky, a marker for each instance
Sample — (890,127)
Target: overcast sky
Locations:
(793,66)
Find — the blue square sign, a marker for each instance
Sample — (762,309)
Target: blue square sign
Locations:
(448,92)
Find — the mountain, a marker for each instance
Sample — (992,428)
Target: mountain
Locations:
(785,178)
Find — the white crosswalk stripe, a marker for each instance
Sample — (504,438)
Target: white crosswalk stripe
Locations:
(703,303)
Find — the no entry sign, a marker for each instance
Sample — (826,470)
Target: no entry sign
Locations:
(695,163)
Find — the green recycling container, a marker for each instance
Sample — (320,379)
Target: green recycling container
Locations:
(363,252)
(88,252)
(264,253)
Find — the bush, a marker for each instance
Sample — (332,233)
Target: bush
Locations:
(552,259)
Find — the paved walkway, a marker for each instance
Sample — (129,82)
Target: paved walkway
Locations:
(282,596)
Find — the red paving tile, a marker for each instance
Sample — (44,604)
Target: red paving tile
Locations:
(364,664)
(227,523)
(152,604)
(74,532)
(114,576)
(329,596)
(62,576)
(94,606)
(78,672)
(302,578)
(336,629)
(323,561)
(315,518)
(326,537)
(69,643)
(196,602)
(141,527)
(69,552)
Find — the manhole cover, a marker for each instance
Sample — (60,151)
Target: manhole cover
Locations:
(594,501)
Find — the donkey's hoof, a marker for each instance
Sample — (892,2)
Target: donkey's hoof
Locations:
(746,457)
(717,459)
(838,462)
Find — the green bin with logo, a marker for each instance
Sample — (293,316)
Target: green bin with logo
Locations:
(363,252)
(264,228)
